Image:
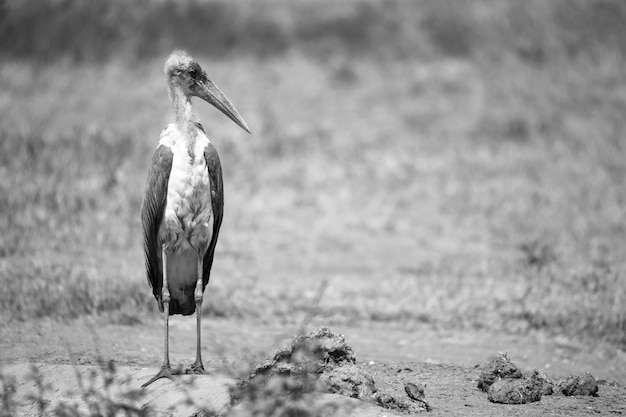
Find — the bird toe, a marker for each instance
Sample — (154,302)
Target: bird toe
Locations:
(195,369)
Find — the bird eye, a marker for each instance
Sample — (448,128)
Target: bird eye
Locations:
(193,73)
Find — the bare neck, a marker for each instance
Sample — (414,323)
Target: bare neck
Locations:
(184,116)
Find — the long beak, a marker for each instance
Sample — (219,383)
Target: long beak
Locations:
(209,92)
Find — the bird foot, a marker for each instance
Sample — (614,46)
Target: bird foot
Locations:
(165,372)
(195,369)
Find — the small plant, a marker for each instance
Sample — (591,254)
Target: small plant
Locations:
(39,397)
(101,394)
(450,27)
(537,254)
(7,395)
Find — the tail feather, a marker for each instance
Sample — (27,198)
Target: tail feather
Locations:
(185,305)
(182,268)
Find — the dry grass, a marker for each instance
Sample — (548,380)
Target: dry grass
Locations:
(417,188)
(95,31)
(94,395)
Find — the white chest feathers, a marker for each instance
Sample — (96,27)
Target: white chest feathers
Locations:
(188,219)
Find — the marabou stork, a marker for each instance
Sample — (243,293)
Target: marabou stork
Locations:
(183,202)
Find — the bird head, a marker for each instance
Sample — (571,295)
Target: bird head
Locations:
(184,73)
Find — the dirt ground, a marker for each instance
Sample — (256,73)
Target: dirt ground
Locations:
(447,362)
(450,173)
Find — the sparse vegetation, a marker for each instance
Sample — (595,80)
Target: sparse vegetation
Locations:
(535,32)
(449,162)
(9,388)
(102,394)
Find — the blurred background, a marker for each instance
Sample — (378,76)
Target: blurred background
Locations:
(452,163)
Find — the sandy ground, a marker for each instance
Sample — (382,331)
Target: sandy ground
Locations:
(450,391)
(446,361)
(164,396)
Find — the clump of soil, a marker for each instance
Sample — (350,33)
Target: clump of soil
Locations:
(497,368)
(506,384)
(319,361)
(316,352)
(515,391)
(302,362)
(540,377)
(519,389)
(348,380)
(584,384)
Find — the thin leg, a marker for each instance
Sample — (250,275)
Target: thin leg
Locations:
(197,367)
(166,370)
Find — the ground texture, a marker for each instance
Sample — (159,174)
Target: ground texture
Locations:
(447,364)
(440,181)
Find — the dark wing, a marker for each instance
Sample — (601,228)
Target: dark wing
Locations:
(217,200)
(152,209)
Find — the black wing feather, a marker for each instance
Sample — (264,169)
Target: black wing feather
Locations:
(217,200)
(152,210)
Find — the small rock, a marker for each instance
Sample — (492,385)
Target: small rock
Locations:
(388,401)
(514,391)
(496,368)
(416,393)
(348,380)
(584,384)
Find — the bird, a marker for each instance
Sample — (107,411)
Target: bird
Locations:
(183,202)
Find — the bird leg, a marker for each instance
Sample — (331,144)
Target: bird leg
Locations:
(166,370)
(197,367)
